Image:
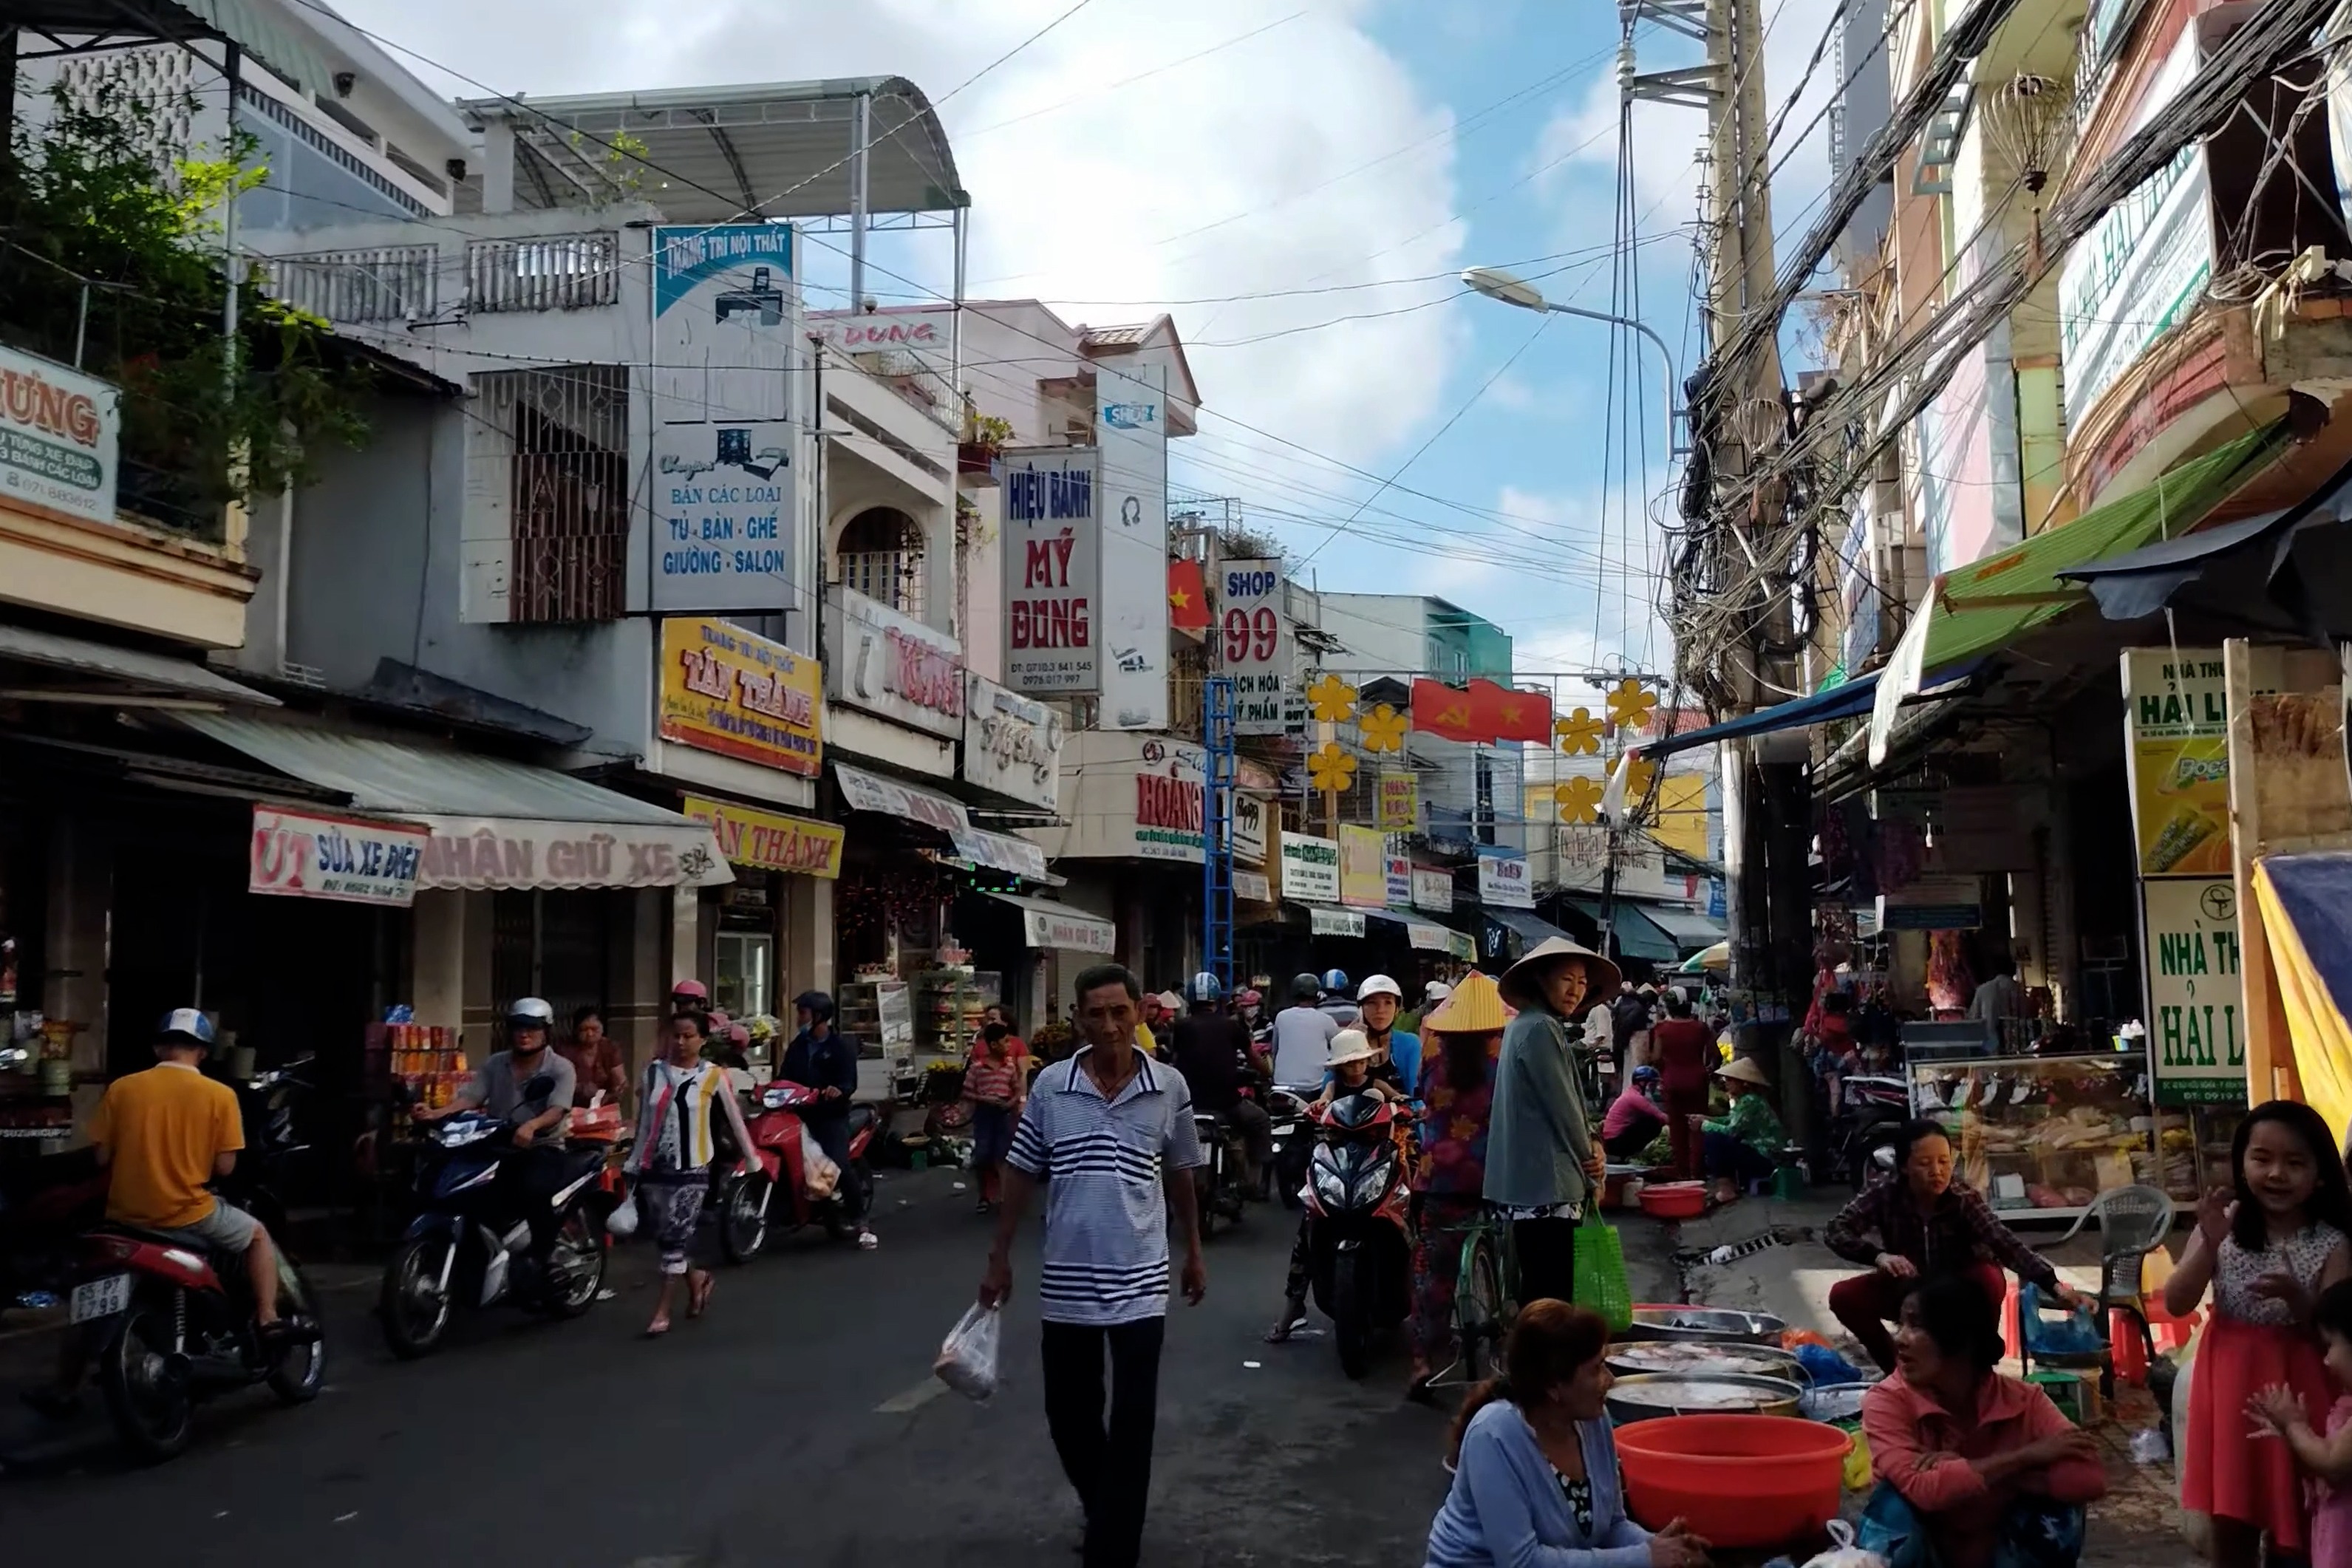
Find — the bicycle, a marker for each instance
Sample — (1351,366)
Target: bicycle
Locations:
(1486,1293)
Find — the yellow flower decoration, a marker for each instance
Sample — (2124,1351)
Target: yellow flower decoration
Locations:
(1579,799)
(1331,768)
(1638,774)
(1384,728)
(1579,733)
(1630,705)
(1333,700)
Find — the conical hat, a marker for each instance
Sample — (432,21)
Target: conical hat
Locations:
(1475,1007)
(1522,985)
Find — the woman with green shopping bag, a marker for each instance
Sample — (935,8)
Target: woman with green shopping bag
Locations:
(1544,1162)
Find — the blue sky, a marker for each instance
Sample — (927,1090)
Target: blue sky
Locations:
(1295,181)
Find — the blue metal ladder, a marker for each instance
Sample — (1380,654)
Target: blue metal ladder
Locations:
(1217,831)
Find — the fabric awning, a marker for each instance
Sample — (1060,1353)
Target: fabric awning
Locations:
(494,823)
(1849,700)
(1691,929)
(997,851)
(1329,919)
(127,674)
(1528,927)
(1634,932)
(2305,903)
(1051,925)
(1428,937)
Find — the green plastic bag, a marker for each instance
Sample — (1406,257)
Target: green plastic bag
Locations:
(1601,1282)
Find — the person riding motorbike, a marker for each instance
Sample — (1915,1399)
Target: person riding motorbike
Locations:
(502,1088)
(1302,1036)
(822,1059)
(1350,1065)
(1249,1006)
(689,996)
(1212,1048)
(1334,987)
(1397,1059)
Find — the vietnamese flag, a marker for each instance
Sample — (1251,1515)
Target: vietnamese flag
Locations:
(1440,711)
(1188,595)
(1507,713)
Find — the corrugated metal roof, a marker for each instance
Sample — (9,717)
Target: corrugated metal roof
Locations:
(1116,337)
(400,779)
(129,667)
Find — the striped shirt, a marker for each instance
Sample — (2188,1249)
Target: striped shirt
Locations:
(1105,1257)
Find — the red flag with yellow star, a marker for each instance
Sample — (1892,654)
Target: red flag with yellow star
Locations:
(1506,714)
(1188,595)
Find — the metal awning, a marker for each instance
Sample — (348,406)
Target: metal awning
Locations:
(1636,935)
(1849,700)
(495,822)
(1526,926)
(272,31)
(105,673)
(1051,925)
(1691,929)
(719,154)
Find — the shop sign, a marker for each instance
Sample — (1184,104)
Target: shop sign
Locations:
(1012,745)
(892,665)
(1254,887)
(727,308)
(1400,802)
(1400,882)
(1072,930)
(1255,636)
(1933,903)
(1363,868)
(1132,798)
(871,792)
(307,855)
(2143,268)
(2177,750)
(1169,803)
(59,434)
(1310,868)
(1718,906)
(2196,993)
(1322,921)
(1052,551)
(1502,880)
(1438,939)
(727,690)
(1249,829)
(1000,852)
(1131,434)
(476,853)
(1432,891)
(771,841)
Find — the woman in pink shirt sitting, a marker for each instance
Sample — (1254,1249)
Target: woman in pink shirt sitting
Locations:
(1975,1470)
(1634,1118)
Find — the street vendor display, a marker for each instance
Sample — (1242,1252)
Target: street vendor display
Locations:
(2042,1133)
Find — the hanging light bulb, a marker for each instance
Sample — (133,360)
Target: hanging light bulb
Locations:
(2030,120)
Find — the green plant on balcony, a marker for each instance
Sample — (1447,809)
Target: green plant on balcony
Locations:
(988,434)
(111,258)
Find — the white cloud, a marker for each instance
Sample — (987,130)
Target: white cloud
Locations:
(1087,201)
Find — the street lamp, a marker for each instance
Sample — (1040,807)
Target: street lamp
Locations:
(1497,284)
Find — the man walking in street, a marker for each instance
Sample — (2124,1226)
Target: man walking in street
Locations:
(1110,1133)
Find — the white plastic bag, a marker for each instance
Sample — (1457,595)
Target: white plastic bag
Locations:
(967,1359)
(621,1223)
(818,1173)
(1844,1553)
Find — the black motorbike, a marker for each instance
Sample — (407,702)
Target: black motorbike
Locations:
(1868,1124)
(472,1245)
(1294,1142)
(1217,1186)
(1360,1261)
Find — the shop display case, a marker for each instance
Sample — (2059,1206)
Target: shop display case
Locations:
(946,1014)
(2040,1137)
(2193,1148)
(878,1013)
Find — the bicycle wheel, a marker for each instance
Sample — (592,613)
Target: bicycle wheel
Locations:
(1482,1314)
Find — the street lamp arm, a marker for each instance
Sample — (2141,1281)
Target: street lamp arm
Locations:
(1665,357)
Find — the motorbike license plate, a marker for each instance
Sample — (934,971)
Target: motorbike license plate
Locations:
(1286,1129)
(101,1298)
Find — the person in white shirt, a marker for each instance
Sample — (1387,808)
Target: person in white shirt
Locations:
(1302,1037)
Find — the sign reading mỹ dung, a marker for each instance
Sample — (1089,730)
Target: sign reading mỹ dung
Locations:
(1052,551)
(310,855)
(59,434)
(2196,993)
(1310,868)
(2177,753)
(727,690)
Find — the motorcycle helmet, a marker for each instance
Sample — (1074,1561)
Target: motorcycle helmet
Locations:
(819,1004)
(1646,1074)
(1250,998)
(1379,986)
(186,1026)
(1305,988)
(1436,990)
(1205,988)
(530,1013)
(690,994)
(1335,981)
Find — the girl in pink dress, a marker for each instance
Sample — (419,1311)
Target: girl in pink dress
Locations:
(2328,1461)
(2268,1249)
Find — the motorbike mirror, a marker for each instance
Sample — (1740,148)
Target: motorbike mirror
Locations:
(540,1087)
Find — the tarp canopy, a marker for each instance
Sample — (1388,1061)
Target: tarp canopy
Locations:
(1634,932)
(2304,902)
(1691,929)
(1849,700)
(1048,925)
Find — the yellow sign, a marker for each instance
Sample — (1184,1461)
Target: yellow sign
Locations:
(1682,824)
(724,690)
(769,841)
(1363,866)
(2177,727)
(1400,802)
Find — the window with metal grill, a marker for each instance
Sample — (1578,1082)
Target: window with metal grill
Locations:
(881,556)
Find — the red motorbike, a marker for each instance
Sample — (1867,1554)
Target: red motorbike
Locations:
(745,1195)
(1360,1251)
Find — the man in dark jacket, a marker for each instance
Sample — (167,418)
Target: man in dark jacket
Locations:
(822,1059)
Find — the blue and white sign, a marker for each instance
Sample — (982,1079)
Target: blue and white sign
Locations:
(1131,433)
(725,512)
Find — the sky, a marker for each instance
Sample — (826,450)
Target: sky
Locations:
(1298,183)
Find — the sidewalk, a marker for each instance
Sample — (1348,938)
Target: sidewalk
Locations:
(2137,1525)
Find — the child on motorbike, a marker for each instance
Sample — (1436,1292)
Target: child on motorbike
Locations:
(1349,1067)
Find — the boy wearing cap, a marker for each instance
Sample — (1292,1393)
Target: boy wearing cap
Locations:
(1350,1065)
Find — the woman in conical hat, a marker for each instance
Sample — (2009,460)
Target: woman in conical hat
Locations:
(1463,1041)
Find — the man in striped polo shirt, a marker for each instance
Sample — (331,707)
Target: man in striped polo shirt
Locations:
(1110,1134)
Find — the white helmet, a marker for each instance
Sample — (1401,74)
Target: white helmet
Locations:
(1379,986)
(1436,990)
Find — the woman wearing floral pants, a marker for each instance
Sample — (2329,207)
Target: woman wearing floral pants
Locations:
(679,1105)
(1457,1095)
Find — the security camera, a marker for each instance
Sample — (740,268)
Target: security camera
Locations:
(456,169)
(344,82)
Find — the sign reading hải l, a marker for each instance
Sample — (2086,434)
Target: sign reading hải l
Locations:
(2196,993)
(2177,754)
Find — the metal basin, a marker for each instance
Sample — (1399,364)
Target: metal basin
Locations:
(1702,1358)
(1702,1323)
(1646,1396)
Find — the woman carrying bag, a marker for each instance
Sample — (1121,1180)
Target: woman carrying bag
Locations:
(1544,1164)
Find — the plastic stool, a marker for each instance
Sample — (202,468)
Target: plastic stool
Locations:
(2012,1341)
(2124,1344)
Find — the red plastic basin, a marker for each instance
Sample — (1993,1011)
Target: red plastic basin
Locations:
(1739,1480)
(1674,1200)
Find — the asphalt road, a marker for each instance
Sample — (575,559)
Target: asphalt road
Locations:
(797,1423)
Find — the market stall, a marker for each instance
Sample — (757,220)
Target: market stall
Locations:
(2041,1136)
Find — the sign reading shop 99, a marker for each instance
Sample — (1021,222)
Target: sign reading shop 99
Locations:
(726,311)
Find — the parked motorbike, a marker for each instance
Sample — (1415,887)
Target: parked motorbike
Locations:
(169,1322)
(1294,1142)
(1872,1110)
(1361,1260)
(46,1205)
(471,1244)
(1217,1186)
(744,1194)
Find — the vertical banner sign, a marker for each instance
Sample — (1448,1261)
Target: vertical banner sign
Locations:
(1131,433)
(1253,637)
(1400,882)
(2177,749)
(2196,996)
(1053,559)
(1363,868)
(726,311)
(1400,802)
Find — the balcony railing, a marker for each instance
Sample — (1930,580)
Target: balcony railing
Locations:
(551,272)
(386,283)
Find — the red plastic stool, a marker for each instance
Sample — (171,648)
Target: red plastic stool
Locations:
(2124,1345)
(2012,1341)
